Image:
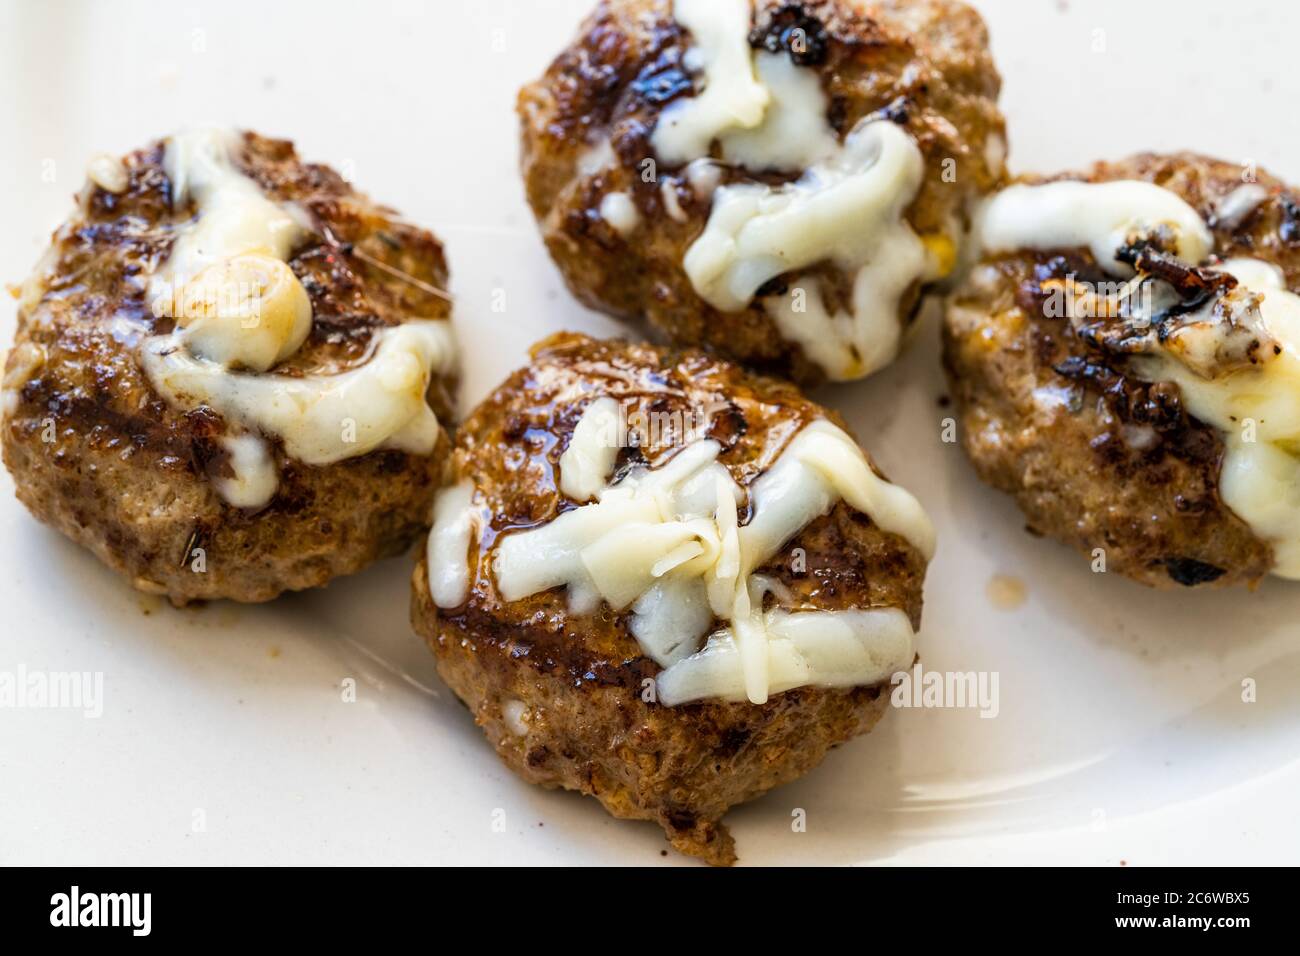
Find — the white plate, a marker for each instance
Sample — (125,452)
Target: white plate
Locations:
(224,738)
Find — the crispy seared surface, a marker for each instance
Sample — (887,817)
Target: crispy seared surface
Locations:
(923,63)
(98,454)
(1120,465)
(580,679)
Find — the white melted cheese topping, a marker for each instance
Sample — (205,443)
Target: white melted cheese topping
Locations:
(620,212)
(667,544)
(254,477)
(732,96)
(1256,407)
(240,310)
(1235,207)
(1102,217)
(794,133)
(849,212)
(233,214)
(108,172)
(854,648)
(846,209)
(592,451)
(225,280)
(454,529)
(246,311)
(321,419)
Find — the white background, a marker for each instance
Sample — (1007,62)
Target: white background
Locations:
(1121,736)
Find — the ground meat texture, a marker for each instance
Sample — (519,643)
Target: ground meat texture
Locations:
(923,63)
(98,454)
(1152,505)
(578,680)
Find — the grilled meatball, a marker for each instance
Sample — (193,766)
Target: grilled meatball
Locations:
(619,217)
(1052,412)
(98,452)
(561,691)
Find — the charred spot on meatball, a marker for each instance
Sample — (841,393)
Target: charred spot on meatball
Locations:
(1190,572)
(791,29)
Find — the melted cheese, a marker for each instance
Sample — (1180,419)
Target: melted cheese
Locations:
(321,419)
(592,450)
(672,204)
(821,648)
(225,278)
(794,133)
(1235,207)
(240,310)
(455,524)
(667,544)
(732,97)
(1255,406)
(1103,217)
(756,233)
(704,176)
(596,158)
(232,213)
(254,479)
(820,466)
(657,503)
(108,172)
(620,212)
(847,211)
(249,310)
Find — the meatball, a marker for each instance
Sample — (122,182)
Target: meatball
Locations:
(775,181)
(664,582)
(229,370)
(1111,375)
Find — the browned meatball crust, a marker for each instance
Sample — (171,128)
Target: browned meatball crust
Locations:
(580,678)
(924,64)
(97,453)
(1153,505)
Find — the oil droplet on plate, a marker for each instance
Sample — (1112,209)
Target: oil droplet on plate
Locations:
(1006,593)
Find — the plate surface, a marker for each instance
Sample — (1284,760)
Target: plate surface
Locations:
(1121,734)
